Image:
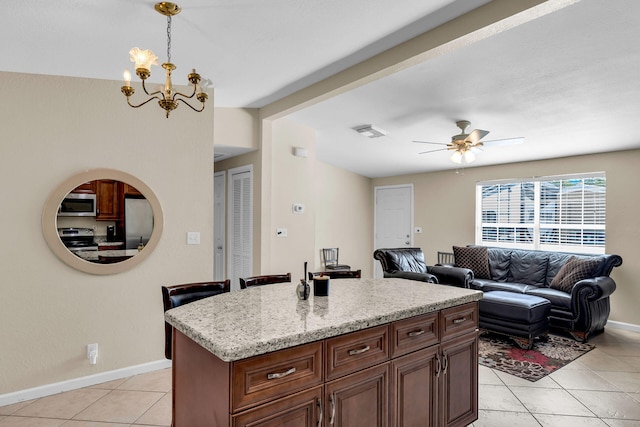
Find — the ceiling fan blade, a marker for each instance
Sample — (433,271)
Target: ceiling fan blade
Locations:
(503,142)
(428,142)
(475,136)
(433,151)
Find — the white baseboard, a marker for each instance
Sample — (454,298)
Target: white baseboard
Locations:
(621,325)
(76,383)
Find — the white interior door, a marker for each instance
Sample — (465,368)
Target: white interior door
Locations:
(219,216)
(393,219)
(240,225)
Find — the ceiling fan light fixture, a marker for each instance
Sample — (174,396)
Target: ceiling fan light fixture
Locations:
(456,157)
(468,156)
(370,131)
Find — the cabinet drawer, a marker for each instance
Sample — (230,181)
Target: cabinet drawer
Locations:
(458,320)
(272,375)
(355,351)
(300,409)
(414,334)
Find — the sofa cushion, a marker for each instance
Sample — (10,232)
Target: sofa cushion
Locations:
(573,271)
(556,297)
(491,285)
(529,267)
(499,263)
(474,258)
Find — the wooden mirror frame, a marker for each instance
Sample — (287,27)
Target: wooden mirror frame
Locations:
(50,221)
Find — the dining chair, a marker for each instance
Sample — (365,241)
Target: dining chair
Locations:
(446,258)
(338,274)
(246,282)
(330,259)
(177,295)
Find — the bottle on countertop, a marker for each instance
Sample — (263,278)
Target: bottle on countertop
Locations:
(140,245)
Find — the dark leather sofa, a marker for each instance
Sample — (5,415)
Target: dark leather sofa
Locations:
(409,263)
(582,312)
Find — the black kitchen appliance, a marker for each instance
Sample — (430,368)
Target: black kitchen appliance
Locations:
(111,233)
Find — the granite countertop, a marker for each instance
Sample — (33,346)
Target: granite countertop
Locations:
(262,319)
(93,256)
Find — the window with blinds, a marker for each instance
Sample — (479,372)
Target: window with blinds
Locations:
(564,213)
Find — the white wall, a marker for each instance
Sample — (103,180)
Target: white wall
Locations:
(52,128)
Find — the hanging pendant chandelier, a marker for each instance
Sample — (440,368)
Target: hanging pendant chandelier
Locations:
(168,98)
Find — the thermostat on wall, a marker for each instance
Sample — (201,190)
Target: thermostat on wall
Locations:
(298,208)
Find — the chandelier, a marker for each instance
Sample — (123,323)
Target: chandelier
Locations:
(168,98)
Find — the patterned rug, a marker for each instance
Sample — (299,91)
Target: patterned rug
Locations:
(498,352)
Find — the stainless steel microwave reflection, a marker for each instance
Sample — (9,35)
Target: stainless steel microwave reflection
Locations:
(78,204)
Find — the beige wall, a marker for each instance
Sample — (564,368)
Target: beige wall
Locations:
(445,208)
(338,204)
(345,216)
(52,128)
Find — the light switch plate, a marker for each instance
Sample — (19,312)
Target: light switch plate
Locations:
(281,232)
(193,237)
(418,230)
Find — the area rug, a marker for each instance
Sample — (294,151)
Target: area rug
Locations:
(500,353)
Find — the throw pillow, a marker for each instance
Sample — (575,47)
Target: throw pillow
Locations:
(573,271)
(474,258)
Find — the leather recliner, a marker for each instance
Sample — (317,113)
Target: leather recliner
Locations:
(409,263)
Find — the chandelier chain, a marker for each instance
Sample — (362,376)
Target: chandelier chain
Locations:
(169,38)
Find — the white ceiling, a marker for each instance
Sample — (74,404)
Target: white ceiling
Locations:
(567,81)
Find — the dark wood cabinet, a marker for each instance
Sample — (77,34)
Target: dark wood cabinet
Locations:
(87,187)
(439,382)
(417,372)
(303,409)
(129,190)
(359,400)
(108,200)
(459,381)
(415,389)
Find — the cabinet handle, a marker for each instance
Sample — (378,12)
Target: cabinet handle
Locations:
(438,365)
(416,333)
(458,321)
(445,359)
(320,414)
(333,408)
(359,351)
(281,374)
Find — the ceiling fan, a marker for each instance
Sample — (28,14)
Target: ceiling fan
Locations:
(464,144)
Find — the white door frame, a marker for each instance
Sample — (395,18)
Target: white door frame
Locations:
(219,221)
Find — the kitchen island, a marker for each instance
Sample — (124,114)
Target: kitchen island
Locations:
(375,352)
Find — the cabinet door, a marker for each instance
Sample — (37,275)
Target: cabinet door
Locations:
(414,389)
(359,400)
(108,197)
(459,378)
(299,410)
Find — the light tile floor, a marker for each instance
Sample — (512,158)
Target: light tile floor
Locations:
(600,389)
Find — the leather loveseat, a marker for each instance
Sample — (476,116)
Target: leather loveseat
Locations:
(577,285)
(409,263)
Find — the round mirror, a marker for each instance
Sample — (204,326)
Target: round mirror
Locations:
(102,221)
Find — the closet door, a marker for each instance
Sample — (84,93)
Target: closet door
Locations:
(240,224)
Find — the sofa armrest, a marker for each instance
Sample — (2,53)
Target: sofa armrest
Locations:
(451,275)
(593,289)
(411,275)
